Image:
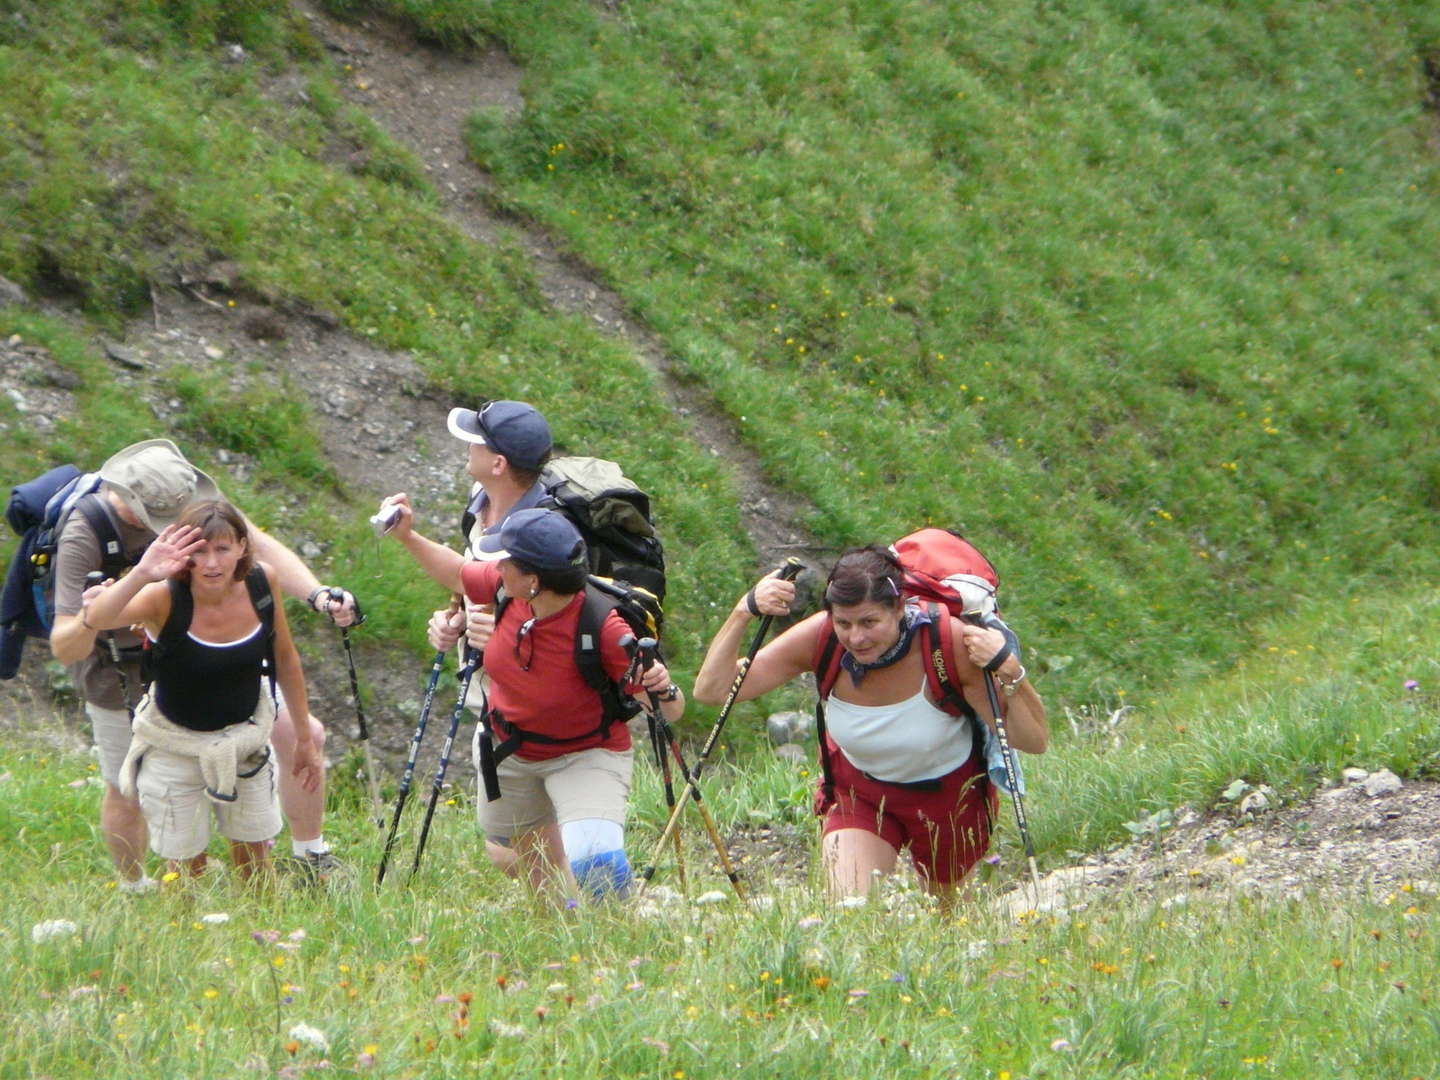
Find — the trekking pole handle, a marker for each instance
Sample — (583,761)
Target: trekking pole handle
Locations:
(338,595)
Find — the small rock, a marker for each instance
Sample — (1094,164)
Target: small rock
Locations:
(310,550)
(62,378)
(792,752)
(10,293)
(1383,782)
(784,726)
(213,352)
(1353,775)
(124,356)
(1254,803)
(234,53)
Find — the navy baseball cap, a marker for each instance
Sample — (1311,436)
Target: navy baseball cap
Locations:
(540,538)
(511,428)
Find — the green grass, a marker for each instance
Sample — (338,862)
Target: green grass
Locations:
(456,970)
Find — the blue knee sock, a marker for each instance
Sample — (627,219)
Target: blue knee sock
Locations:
(604,874)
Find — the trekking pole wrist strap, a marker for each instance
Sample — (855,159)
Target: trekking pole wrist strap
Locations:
(751,604)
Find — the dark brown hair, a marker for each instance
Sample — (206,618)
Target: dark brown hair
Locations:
(523,476)
(862,575)
(216,518)
(565,582)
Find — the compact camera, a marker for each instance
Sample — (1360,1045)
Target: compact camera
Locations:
(384,519)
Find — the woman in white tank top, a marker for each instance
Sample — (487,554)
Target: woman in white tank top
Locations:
(906,773)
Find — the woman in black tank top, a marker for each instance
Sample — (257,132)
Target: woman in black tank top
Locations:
(211,613)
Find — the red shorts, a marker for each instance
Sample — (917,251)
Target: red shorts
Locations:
(945,823)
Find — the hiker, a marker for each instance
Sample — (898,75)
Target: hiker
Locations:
(202,732)
(563,772)
(508,444)
(905,773)
(145,487)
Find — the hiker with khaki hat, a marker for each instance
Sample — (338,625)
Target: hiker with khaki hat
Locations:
(144,488)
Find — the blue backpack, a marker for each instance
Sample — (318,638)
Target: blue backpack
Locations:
(37,513)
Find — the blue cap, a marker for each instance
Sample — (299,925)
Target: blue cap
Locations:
(511,428)
(540,538)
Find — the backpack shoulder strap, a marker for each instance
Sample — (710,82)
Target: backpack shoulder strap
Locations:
(593,610)
(826,664)
(826,660)
(182,610)
(938,641)
(112,551)
(262,599)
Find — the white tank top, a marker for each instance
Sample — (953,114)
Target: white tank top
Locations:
(905,742)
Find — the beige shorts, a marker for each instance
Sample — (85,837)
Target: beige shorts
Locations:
(591,783)
(111,730)
(178,812)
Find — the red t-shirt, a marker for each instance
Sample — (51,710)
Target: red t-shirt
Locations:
(551,698)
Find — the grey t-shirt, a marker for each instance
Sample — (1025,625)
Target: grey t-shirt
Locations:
(78,554)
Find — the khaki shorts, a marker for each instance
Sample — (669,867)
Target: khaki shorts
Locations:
(592,783)
(111,730)
(177,810)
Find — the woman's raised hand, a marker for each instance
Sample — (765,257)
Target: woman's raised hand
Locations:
(170,552)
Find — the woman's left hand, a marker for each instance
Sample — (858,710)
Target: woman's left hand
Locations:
(307,767)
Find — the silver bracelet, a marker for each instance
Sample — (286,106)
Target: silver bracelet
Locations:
(1009,688)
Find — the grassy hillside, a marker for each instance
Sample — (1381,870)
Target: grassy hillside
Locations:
(1139,297)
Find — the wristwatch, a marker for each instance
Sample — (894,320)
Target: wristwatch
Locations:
(670,693)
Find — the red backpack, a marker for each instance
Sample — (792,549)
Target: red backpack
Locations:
(949,574)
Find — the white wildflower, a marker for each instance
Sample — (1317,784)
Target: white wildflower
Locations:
(309,1036)
(215,918)
(51,929)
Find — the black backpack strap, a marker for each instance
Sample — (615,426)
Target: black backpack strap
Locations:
(112,551)
(262,599)
(182,610)
(615,705)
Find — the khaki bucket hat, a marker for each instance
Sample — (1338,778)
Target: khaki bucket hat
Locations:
(153,479)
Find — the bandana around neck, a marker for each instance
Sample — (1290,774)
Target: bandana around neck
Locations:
(912,617)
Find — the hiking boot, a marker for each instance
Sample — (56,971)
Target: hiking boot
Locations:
(315,867)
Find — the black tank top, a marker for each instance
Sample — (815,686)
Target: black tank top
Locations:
(207,687)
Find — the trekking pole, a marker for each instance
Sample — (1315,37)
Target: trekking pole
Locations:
(472,661)
(667,735)
(372,777)
(408,776)
(788,572)
(643,654)
(1007,754)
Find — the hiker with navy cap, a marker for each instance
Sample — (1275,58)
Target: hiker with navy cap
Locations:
(560,763)
(144,488)
(508,444)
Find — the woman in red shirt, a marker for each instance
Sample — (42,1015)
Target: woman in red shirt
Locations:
(565,765)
